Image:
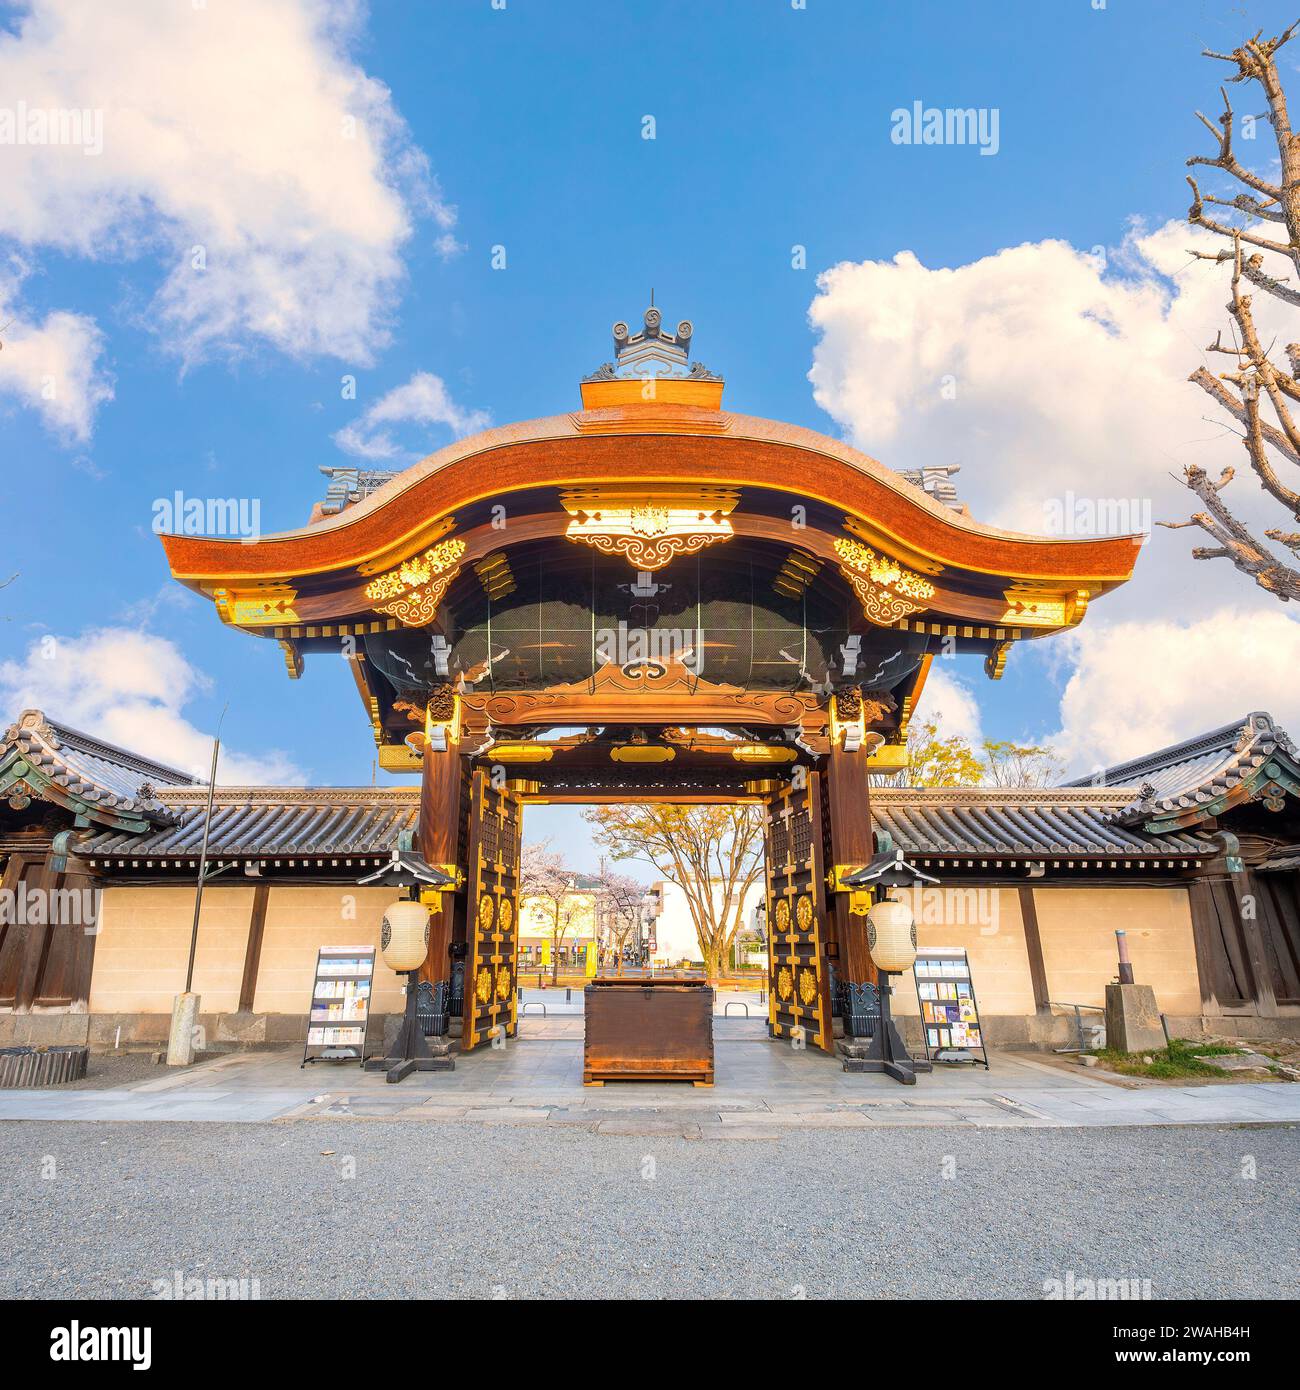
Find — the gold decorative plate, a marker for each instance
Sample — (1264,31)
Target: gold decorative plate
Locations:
(483,985)
(784,983)
(503,981)
(486,911)
(506,914)
(782,915)
(807,985)
(804,912)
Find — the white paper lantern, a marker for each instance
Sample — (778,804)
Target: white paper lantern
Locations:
(891,935)
(404,935)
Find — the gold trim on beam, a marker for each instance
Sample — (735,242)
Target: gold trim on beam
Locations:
(889,757)
(651,528)
(397,553)
(642,753)
(397,757)
(1045,608)
(302,631)
(931,628)
(260,607)
(519,752)
(763,753)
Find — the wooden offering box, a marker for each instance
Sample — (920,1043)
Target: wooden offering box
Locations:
(654,1029)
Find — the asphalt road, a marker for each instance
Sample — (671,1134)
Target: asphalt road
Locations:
(402,1209)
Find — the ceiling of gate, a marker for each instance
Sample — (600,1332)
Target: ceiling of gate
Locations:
(729,616)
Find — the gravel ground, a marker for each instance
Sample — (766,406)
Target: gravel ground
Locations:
(461,1210)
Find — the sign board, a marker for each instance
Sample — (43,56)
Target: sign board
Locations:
(950,1018)
(339,1014)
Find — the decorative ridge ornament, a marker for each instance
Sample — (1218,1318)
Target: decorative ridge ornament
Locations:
(887,590)
(653,352)
(652,367)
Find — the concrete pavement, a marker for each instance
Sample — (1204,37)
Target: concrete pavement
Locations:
(764,1089)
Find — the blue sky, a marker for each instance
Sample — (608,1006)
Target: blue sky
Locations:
(772,129)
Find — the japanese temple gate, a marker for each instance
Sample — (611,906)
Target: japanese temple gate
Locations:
(648,598)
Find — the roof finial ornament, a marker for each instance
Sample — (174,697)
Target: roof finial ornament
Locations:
(653,352)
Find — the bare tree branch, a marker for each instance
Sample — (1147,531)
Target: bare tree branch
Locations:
(1256,381)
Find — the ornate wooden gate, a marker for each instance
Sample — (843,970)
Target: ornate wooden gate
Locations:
(492,911)
(798,985)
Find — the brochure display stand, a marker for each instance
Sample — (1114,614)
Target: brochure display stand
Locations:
(340,1004)
(950,1019)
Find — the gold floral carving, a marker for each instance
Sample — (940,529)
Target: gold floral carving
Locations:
(483,985)
(503,982)
(782,915)
(887,591)
(784,983)
(486,912)
(412,592)
(807,986)
(506,914)
(804,912)
(649,531)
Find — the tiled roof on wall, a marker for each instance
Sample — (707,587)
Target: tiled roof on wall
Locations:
(1015,822)
(269,823)
(1200,778)
(97,781)
(276,824)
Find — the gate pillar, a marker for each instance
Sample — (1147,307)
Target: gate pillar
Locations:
(850,840)
(444,802)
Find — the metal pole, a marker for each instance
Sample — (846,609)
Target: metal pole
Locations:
(203,855)
(1125,965)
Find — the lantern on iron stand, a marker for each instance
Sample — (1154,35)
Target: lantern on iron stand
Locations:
(404,943)
(891,939)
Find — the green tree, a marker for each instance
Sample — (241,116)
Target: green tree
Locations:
(938,761)
(714,854)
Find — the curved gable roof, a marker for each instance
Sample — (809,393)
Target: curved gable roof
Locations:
(650,443)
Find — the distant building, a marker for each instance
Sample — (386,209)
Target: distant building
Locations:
(569,925)
(674,936)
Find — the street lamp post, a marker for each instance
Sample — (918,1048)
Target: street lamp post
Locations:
(404,944)
(891,938)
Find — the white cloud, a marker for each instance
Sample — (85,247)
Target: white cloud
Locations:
(129,687)
(54,365)
(423,400)
(1140,686)
(1044,372)
(241,135)
(1040,370)
(952,703)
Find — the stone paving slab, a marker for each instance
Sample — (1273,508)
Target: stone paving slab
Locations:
(769,1090)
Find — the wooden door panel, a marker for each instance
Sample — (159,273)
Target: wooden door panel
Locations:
(798,976)
(492,912)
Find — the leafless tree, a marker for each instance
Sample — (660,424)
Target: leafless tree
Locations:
(1262,216)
